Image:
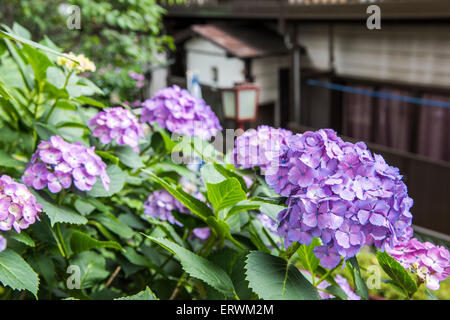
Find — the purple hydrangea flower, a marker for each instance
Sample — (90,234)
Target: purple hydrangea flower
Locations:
(161,203)
(265,147)
(57,164)
(180,112)
(117,124)
(431,263)
(18,206)
(2,243)
(336,191)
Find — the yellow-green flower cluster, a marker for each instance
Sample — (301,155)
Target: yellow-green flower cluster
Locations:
(84,64)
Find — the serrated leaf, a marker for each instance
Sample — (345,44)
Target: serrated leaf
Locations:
(80,242)
(397,273)
(117,177)
(200,268)
(147,294)
(225,194)
(17,273)
(273,278)
(22,237)
(58,213)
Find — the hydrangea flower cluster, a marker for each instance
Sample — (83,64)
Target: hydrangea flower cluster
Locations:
(180,112)
(117,124)
(343,283)
(431,263)
(160,205)
(18,207)
(84,64)
(57,163)
(338,192)
(262,147)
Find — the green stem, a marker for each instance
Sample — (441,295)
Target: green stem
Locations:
(291,251)
(61,244)
(327,274)
(52,108)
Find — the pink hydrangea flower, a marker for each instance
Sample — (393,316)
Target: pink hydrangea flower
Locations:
(57,164)
(18,206)
(431,263)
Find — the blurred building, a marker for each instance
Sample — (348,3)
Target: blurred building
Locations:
(389,86)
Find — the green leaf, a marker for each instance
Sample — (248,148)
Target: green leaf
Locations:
(233,263)
(56,77)
(307,257)
(397,273)
(167,166)
(45,130)
(360,285)
(89,101)
(128,157)
(200,268)
(115,225)
(22,237)
(38,61)
(147,294)
(168,142)
(117,177)
(244,205)
(225,194)
(80,242)
(108,156)
(58,213)
(16,37)
(17,273)
(4,91)
(273,278)
(7,161)
(92,268)
(196,206)
(230,174)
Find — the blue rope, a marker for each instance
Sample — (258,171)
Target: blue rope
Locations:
(377,94)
